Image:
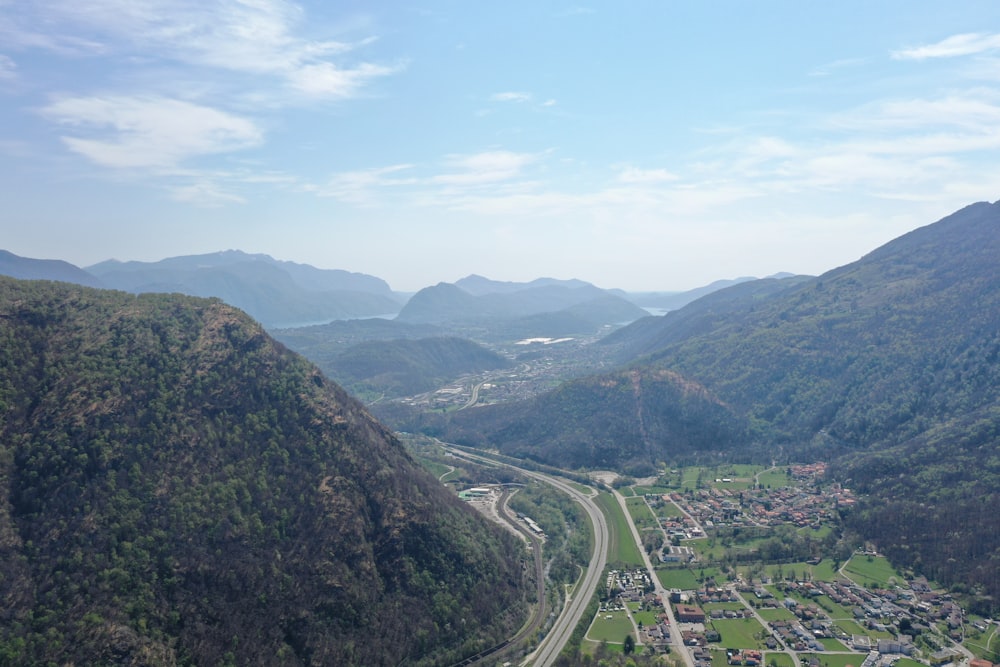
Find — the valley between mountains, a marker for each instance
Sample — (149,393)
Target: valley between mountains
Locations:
(229,459)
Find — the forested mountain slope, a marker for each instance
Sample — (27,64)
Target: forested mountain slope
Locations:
(177,488)
(705,314)
(877,351)
(629,420)
(406,367)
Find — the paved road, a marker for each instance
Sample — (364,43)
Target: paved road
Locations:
(550,647)
(554,642)
(676,641)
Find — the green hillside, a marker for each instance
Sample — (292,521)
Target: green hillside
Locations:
(406,367)
(628,420)
(175,488)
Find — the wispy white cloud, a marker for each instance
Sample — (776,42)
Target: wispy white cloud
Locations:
(511,96)
(149,132)
(8,69)
(837,65)
(260,37)
(971,110)
(957,45)
(205,194)
(325,79)
(363,187)
(646,176)
(485,167)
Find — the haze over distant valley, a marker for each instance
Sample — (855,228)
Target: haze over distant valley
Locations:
(632,335)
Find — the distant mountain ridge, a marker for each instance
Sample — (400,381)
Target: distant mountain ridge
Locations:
(449,303)
(26,268)
(277,293)
(478,285)
(304,275)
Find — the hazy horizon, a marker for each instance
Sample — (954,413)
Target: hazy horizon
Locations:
(654,148)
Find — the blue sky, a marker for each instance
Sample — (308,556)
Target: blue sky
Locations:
(639,145)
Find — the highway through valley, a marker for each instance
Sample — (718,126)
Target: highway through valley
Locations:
(554,642)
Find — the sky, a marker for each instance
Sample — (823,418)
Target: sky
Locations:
(647,146)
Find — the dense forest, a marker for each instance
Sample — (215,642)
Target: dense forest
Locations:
(177,488)
(629,420)
(406,367)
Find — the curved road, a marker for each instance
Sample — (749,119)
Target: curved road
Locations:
(554,642)
(550,647)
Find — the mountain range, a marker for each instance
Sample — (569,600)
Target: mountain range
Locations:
(282,294)
(276,293)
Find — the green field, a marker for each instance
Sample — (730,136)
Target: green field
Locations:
(739,632)
(642,516)
(657,490)
(681,578)
(647,618)
(825,572)
(623,552)
(774,479)
(983,644)
(776,614)
(851,628)
(865,570)
(668,510)
(831,644)
(611,630)
(778,659)
(834,610)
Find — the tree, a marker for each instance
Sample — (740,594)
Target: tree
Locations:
(629,646)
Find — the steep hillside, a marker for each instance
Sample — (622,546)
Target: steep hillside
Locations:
(176,488)
(702,316)
(877,351)
(630,420)
(406,367)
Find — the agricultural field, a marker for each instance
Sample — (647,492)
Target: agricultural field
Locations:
(624,551)
(680,577)
(774,479)
(778,659)
(776,614)
(611,630)
(642,516)
(655,490)
(740,632)
(868,570)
